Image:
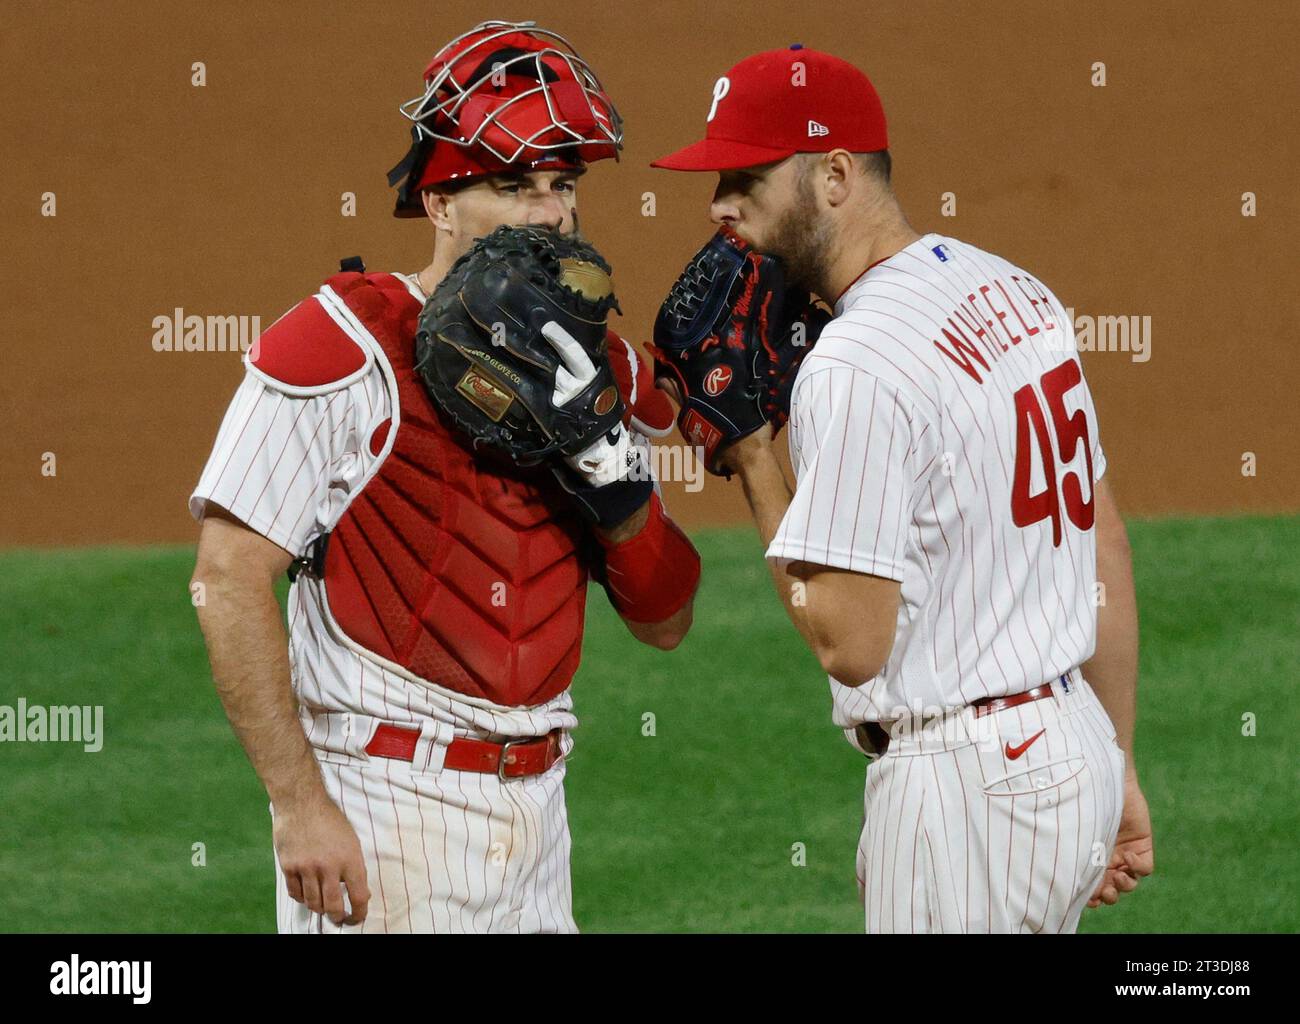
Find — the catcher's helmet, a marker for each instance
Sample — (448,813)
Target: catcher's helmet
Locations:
(505,95)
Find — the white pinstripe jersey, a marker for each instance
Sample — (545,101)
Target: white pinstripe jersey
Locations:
(288,467)
(943,436)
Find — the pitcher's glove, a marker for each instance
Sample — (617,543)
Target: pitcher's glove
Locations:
(512,347)
(731,335)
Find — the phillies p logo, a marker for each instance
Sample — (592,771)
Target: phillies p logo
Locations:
(720,88)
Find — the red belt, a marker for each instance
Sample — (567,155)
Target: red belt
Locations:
(875,738)
(991,705)
(511,760)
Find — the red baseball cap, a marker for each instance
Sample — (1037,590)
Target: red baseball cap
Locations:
(781,102)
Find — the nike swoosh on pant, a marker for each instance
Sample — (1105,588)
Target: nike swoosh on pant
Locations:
(1014,752)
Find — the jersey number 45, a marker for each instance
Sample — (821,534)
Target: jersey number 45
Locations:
(1026,508)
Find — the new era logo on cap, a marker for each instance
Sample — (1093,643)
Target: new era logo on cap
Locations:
(815,129)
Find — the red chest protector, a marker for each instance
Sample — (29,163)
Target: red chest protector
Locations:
(468,573)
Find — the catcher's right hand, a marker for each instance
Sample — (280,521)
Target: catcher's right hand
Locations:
(730,337)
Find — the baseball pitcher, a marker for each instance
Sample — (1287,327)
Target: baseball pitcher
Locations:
(950,530)
(442,460)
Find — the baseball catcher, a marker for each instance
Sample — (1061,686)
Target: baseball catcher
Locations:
(730,338)
(444,459)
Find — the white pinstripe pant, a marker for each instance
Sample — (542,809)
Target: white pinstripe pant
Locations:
(959,837)
(450,851)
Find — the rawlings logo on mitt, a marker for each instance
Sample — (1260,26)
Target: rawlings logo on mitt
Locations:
(512,345)
(731,335)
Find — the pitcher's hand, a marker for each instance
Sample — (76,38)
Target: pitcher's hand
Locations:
(1134,854)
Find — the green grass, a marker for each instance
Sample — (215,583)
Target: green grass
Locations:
(691,829)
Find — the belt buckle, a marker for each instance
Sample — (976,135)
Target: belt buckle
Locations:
(502,760)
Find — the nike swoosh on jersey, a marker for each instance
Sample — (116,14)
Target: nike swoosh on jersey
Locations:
(1014,752)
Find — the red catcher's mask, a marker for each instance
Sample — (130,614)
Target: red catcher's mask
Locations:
(504,96)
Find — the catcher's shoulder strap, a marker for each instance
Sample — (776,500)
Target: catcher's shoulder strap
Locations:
(312,561)
(315,348)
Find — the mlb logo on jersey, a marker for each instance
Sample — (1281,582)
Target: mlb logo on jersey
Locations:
(942,252)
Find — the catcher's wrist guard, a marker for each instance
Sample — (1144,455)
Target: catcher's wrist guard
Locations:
(610,505)
(651,576)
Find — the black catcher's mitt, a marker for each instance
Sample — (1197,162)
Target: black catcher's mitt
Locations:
(731,334)
(512,345)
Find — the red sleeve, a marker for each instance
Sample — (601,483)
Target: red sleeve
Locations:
(651,576)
